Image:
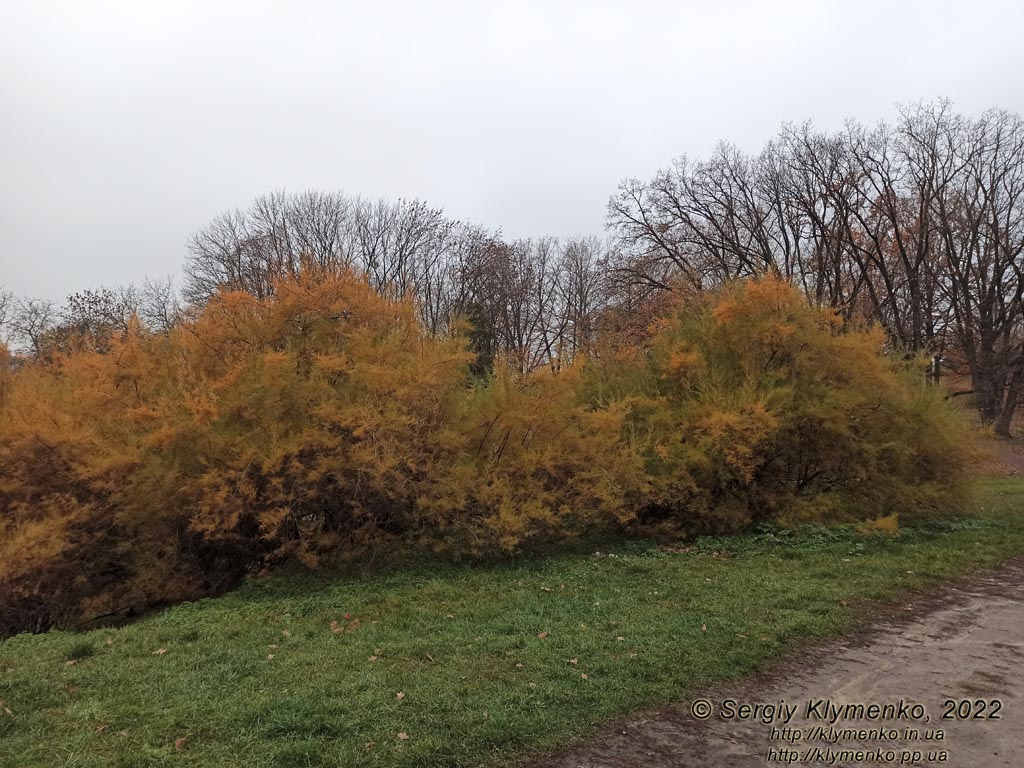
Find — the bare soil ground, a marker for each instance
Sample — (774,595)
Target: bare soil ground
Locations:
(964,644)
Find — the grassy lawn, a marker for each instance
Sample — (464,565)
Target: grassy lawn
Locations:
(471,665)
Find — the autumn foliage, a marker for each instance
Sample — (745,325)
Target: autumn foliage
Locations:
(322,421)
(754,406)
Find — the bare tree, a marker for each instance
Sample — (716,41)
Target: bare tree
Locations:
(980,222)
(582,294)
(160,307)
(31,321)
(916,225)
(6,312)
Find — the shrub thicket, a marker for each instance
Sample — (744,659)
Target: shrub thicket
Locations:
(324,421)
(753,405)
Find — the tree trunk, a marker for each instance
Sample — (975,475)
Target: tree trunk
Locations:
(1005,420)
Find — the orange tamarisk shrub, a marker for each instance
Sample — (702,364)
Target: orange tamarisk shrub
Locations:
(320,420)
(751,405)
(323,421)
(531,461)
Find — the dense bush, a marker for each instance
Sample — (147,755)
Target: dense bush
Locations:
(753,405)
(323,421)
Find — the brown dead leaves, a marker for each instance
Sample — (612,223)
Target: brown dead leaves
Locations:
(352,624)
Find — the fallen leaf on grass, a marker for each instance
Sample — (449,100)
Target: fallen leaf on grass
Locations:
(70,663)
(399,695)
(270,656)
(180,744)
(5,709)
(374,658)
(286,633)
(620,638)
(336,628)
(403,735)
(519,665)
(542,635)
(159,651)
(545,589)
(572,661)
(703,627)
(677,550)
(584,675)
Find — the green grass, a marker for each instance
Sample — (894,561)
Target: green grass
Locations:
(257,677)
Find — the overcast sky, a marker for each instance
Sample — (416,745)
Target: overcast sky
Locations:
(125,126)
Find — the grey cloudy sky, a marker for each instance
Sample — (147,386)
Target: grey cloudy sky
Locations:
(125,126)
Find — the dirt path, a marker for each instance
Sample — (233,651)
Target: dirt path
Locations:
(965,644)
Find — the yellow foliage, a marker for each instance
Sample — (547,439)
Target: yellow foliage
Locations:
(323,421)
(888,525)
(754,405)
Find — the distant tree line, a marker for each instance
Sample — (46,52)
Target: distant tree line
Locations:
(917,226)
(533,299)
